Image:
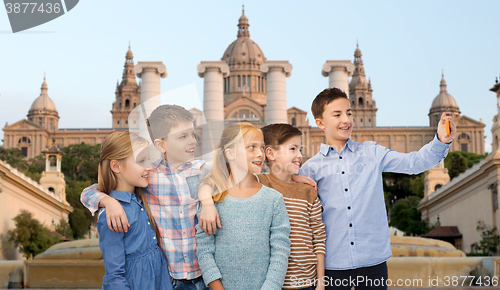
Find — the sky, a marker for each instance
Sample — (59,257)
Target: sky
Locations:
(405,44)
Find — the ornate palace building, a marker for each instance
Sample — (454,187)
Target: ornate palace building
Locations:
(253,89)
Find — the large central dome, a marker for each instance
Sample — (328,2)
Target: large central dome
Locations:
(243,52)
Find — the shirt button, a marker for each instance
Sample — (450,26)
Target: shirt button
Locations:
(181,211)
(346,189)
(142,209)
(154,238)
(352,243)
(148,223)
(343,172)
(340,157)
(185,256)
(350,225)
(348,207)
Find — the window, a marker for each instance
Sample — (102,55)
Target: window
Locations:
(438,186)
(360,101)
(294,122)
(258,84)
(225,85)
(118,122)
(464,147)
(239,83)
(126,122)
(24,150)
(40,121)
(52,161)
(127,103)
(244,82)
(361,120)
(248,83)
(463,136)
(51,190)
(369,120)
(228,84)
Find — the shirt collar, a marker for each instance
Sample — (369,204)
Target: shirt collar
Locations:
(351,145)
(121,196)
(164,166)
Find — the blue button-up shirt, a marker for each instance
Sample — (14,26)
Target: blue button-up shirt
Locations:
(132,260)
(351,193)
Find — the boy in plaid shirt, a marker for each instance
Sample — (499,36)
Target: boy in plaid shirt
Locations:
(171,194)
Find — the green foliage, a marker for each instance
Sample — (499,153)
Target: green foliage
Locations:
(30,235)
(64,229)
(80,162)
(79,167)
(14,157)
(417,185)
(488,246)
(80,218)
(458,161)
(406,217)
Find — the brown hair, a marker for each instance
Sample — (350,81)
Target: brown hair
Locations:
(119,145)
(220,173)
(324,98)
(166,117)
(277,134)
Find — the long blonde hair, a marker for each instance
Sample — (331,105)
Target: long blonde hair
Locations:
(220,173)
(119,145)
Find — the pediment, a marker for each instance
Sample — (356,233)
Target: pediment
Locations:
(467,121)
(23,125)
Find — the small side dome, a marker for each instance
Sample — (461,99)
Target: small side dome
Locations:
(444,99)
(43,103)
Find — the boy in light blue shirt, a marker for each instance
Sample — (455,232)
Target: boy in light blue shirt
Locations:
(349,178)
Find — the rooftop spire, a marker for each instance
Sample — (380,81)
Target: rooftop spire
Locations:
(243,25)
(442,85)
(128,68)
(44,85)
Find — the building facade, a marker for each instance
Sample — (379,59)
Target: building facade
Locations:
(247,97)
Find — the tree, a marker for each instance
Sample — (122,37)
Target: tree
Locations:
(457,165)
(30,235)
(459,161)
(80,218)
(14,157)
(406,217)
(80,162)
(64,228)
(488,246)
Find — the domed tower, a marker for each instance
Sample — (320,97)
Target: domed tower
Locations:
(443,103)
(128,94)
(360,94)
(43,111)
(244,58)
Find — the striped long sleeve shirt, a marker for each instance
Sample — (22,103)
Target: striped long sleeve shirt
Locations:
(307,234)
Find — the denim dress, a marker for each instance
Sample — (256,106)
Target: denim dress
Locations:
(132,260)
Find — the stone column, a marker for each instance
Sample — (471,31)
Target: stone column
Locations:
(338,72)
(276,73)
(150,73)
(213,74)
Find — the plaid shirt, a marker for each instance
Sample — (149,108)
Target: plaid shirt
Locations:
(172,195)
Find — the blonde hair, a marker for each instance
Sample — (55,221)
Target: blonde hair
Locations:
(119,145)
(220,173)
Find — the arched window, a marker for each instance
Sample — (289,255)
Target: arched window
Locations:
(52,161)
(127,103)
(294,122)
(239,83)
(438,186)
(52,190)
(360,101)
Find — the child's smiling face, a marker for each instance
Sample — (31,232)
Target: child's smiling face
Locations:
(336,121)
(180,144)
(288,156)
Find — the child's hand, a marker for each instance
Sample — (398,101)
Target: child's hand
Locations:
(115,215)
(441,131)
(305,180)
(209,218)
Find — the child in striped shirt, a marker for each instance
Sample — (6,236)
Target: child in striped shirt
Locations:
(306,264)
